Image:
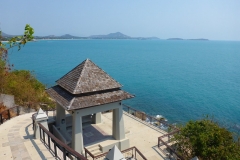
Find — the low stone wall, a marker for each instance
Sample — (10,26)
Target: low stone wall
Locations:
(5,113)
(7,100)
(140,115)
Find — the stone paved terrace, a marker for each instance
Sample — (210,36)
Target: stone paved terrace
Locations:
(17,141)
(140,134)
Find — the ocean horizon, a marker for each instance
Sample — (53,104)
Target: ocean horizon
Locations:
(180,80)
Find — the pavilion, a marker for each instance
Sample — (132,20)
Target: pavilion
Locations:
(86,90)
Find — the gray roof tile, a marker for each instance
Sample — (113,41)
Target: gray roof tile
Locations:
(87,77)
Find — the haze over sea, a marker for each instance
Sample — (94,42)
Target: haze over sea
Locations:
(181,80)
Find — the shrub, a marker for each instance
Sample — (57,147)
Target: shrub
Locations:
(206,140)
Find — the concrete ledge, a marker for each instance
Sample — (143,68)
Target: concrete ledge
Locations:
(124,144)
(108,144)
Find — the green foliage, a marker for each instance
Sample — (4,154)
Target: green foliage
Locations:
(27,90)
(206,140)
(18,41)
(25,87)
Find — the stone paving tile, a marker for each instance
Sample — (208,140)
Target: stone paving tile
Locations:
(26,158)
(16,126)
(13,130)
(6,153)
(5,144)
(93,133)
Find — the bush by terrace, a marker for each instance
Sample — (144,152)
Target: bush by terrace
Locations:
(27,90)
(206,140)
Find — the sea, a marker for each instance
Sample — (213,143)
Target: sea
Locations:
(181,80)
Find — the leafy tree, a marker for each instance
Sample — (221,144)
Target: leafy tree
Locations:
(17,41)
(27,90)
(206,140)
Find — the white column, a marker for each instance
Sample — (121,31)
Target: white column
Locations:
(98,118)
(61,118)
(77,133)
(118,124)
(40,117)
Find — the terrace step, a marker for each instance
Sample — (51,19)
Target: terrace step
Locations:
(95,149)
(163,151)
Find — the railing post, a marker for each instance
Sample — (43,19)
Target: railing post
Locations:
(40,132)
(18,111)
(49,146)
(85,152)
(1,119)
(135,154)
(64,153)
(9,114)
(132,153)
(44,137)
(33,124)
(55,149)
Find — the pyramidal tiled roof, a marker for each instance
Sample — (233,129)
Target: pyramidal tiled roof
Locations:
(87,77)
(85,86)
(72,102)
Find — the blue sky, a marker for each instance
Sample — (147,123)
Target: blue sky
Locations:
(215,19)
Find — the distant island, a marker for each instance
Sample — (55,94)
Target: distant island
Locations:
(175,39)
(197,39)
(116,35)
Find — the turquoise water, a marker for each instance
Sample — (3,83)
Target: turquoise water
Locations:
(180,80)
